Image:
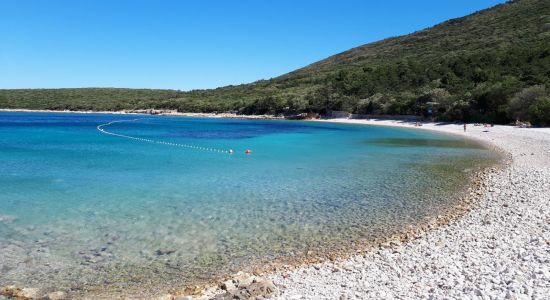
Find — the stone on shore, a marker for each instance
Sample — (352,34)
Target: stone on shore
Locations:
(245,286)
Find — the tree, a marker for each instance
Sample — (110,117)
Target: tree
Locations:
(539,112)
(520,104)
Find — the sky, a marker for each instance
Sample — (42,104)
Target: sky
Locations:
(193,44)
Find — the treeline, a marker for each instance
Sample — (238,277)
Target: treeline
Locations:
(80,99)
(491,85)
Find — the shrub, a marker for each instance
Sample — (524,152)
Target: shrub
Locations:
(539,112)
(522,101)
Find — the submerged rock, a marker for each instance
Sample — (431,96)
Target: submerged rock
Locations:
(165,251)
(164,297)
(56,296)
(19,293)
(6,218)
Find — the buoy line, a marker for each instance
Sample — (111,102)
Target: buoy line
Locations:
(102,130)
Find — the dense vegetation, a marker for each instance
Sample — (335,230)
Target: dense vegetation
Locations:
(492,66)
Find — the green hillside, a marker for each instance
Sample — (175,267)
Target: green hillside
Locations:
(491,66)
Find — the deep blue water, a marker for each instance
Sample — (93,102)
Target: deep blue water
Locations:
(82,209)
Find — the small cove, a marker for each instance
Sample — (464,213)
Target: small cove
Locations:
(89,211)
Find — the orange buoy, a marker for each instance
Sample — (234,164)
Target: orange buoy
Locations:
(248,152)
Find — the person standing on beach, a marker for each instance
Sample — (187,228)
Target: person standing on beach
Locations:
(464,127)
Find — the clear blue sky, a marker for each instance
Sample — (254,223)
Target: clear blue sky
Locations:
(193,44)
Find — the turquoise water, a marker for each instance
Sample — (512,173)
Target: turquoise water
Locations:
(85,210)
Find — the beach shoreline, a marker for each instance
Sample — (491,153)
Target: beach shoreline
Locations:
(299,280)
(352,277)
(427,266)
(150,112)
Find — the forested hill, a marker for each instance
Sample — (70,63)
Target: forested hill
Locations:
(501,26)
(491,66)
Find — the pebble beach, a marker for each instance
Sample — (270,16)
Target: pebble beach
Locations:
(500,249)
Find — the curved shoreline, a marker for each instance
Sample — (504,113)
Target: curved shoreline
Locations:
(281,268)
(304,268)
(301,280)
(280,271)
(490,251)
(443,259)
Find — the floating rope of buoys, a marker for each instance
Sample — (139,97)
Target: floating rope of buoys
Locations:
(102,130)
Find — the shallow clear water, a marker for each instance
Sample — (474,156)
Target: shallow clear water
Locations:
(84,210)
